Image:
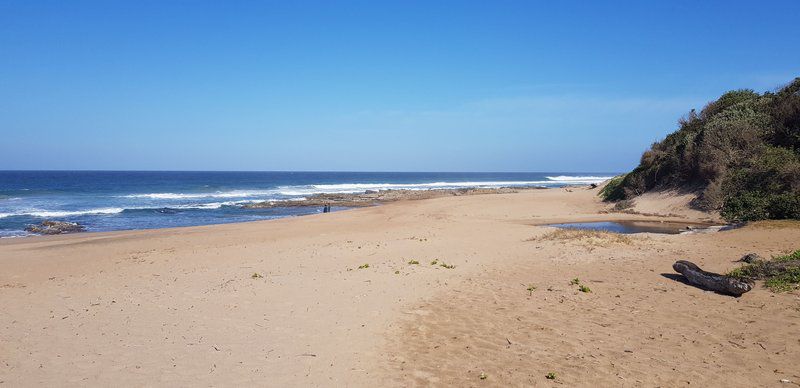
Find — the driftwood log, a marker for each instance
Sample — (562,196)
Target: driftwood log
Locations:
(711,281)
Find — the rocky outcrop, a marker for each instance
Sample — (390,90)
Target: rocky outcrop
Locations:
(55,227)
(372,197)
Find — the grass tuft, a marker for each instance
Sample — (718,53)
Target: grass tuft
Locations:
(589,238)
(780,274)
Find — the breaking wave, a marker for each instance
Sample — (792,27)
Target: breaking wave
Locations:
(63,213)
(301,190)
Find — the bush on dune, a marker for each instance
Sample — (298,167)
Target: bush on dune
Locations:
(741,153)
(612,191)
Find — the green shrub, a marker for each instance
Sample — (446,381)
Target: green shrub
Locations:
(788,257)
(741,152)
(768,187)
(746,206)
(780,274)
(613,190)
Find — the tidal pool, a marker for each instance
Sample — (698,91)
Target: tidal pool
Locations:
(630,227)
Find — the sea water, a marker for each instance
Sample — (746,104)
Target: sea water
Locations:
(121,200)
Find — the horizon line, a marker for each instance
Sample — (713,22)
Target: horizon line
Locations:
(318,171)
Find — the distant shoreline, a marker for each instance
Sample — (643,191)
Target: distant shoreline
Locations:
(377,197)
(343,202)
(107,201)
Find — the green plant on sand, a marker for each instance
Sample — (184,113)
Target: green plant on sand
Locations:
(780,274)
(590,239)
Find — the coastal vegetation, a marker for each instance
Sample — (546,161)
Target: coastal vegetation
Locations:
(782,273)
(740,154)
(590,239)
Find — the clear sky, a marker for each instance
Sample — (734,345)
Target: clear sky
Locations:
(372,85)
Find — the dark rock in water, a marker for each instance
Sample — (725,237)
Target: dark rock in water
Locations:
(166,210)
(750,257)
(55,227)
(372,197)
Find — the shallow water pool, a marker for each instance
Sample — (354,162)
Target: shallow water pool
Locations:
(629,227)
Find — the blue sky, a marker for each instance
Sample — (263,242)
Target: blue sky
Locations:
(377,86)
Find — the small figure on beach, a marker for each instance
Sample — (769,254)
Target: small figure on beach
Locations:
(326,208)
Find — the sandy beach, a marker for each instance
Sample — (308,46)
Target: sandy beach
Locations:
(284,302)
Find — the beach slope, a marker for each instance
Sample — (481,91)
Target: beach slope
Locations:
(432,292)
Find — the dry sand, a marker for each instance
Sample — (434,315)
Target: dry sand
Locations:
(179,307)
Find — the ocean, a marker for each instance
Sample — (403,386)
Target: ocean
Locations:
(124,200)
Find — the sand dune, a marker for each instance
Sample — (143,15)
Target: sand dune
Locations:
(181,307)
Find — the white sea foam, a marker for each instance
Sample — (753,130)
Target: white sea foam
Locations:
(304,190)
(359,187)
(211,205)
(115,210)
(14,234)
(218,194)
(63,213)
(579,179)
(56,213)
